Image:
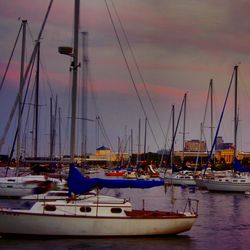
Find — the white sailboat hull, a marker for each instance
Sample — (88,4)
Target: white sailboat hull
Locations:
(21,186)
(16,189)
(212,185)
(79,226)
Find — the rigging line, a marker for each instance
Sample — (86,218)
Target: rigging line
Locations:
(202,128)
(43,67)
(218,127)
(206,107)
(29,108)
(66,125)
(123,145)
(138,68)
(96,108)
(205,115)
(98,113)
(130,73)
(31,36)
(204,120)
(165,142)
(245,91)
(104,133)
(7,126)
(45,72)
(6,129)
(12,52)
(92,92)
(175,132)
(15,138)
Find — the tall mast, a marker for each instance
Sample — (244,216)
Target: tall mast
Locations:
(131,135)
(59,132)
(235,109)
(173,136)
(184,125)
(84,94)
(51,129)
(212,121)
(20,95)
(25,75)
(37,100)
(125,139)
(139,142)
(145,137)
(74,83)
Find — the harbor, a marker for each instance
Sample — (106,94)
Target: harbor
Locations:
(104,148)
(222,222)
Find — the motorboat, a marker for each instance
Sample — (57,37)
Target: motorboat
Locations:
(184,178)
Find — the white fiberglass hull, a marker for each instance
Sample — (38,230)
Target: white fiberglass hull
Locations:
(16,189)
(21,186)
(215,185)
(79,226)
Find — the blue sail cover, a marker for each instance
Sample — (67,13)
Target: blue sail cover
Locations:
(78,184)
(238,167)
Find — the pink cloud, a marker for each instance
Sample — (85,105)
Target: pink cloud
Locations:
(111,87)
(12,76)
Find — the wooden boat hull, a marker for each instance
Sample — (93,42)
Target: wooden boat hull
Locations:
(18,223)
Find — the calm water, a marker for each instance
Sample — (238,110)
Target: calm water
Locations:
(223,223)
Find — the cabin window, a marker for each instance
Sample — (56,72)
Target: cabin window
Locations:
(242,181)
(116,210)
(235,181)
(85,209)
(51,208)
(11,180)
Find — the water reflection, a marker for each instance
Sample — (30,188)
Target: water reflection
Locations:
(138,243)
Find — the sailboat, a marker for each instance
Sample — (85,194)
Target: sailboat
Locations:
(185,177)
(239,180)
(95,214)
(17,186)
(200,179)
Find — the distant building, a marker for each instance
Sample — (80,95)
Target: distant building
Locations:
(227,155)
(224,146)
(106,155)
(195,146)
(221,145)
(103,151)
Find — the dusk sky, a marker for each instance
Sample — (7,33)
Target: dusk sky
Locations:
(179,45)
